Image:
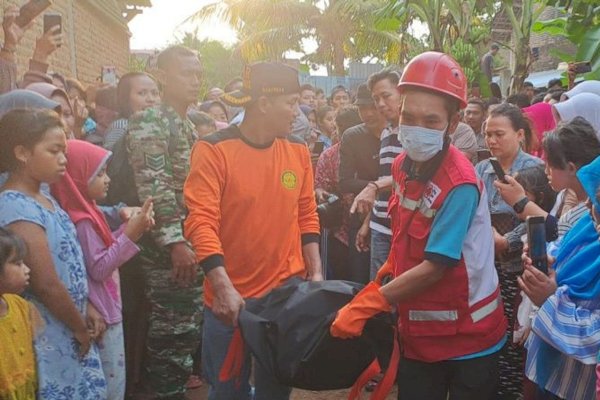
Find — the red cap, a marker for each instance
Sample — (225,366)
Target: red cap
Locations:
(437,72)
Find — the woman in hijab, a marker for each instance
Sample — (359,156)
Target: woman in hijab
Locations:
(583,87)
(542,121)
(60,96)
(585,105)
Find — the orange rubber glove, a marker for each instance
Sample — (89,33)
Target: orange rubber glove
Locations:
(351,319)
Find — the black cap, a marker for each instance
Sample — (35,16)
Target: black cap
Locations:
(264,79)
(363,96)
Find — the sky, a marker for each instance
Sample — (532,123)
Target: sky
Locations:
(162,24)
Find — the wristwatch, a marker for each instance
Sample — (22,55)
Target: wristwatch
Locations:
(520,205)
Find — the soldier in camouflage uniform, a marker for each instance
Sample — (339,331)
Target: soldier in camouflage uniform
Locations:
(159,142)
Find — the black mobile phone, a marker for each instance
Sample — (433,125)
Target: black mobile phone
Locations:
(498,169)
(583,67)
(536,239)
(483,154)
(318,148)
(51,20)
(30,10)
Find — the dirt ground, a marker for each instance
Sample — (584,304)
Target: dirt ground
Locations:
(201,394)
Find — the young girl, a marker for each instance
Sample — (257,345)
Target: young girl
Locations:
(85,182)
(326,124)
(33,152)
(19,322)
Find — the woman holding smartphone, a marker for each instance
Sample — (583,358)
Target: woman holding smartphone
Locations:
(506,130)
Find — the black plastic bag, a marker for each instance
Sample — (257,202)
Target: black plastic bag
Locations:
(287,331)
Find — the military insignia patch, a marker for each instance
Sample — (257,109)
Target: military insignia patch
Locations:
(289,180)
(156,162)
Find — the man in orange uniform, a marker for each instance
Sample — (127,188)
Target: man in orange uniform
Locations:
(445,285)
(252,217)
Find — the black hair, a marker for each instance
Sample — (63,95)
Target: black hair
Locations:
(387,73)
(519,99)
(494,46)
(200,118)
(339,88)
(554,82)
(322,111)
(495,89)
(24,127)
(12,248)
(124,92)
(535,181)
(555,94)
(538,98)
(574,141)
(492,101)
(517,119)
(527,84)
(307,86)
(319,91)
(477,101)
(346,118)
(166,56)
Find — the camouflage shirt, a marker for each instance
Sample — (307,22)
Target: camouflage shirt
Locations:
(160,163)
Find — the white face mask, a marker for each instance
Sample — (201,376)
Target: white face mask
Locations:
(421,144)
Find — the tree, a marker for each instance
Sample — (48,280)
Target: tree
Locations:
(269,28)
(522,14)
(580,24)
(220,63)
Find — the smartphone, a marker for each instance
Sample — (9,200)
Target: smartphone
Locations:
(30,10)
(483,154)
(583,67)
(536,239)
(51,20)
(318,148)
(109,75)
(498,169)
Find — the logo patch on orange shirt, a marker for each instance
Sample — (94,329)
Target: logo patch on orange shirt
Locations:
(289,180)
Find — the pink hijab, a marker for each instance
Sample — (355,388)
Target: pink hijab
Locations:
(542,121)
(84,161)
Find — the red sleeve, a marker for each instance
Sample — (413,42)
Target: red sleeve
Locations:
(202,192)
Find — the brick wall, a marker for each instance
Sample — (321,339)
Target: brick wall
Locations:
(92,37)
(546,44)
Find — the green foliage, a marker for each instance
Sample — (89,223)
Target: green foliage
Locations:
(580,24)
(136,64)
(468,58)
(220,63)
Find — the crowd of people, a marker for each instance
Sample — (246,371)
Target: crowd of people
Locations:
(135,221)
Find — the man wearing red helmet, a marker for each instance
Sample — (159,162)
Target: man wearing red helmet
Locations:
(444,287)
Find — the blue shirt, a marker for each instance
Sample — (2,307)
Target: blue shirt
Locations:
(486,172)
(451,224)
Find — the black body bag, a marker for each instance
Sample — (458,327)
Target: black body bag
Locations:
(287,331)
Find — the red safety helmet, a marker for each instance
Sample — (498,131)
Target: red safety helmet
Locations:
(437,72)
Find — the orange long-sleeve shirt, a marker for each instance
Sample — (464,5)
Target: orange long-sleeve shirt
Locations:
(250,210)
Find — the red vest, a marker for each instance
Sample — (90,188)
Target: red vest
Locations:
(440,324)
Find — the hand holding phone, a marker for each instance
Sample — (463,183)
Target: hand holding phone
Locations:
(582,67)
(30,10)
(536,240)
(498,169)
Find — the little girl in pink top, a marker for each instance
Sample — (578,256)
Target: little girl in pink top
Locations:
(104,251)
